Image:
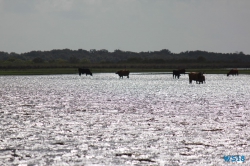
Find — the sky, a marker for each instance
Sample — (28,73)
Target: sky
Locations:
(130,25)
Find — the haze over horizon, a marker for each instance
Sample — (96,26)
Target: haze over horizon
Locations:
(129,25)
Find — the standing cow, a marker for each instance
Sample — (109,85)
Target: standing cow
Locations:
(122,73)
(233,72)
(182,71)
(196,76)
(176,73)
(202,79)
(84,71)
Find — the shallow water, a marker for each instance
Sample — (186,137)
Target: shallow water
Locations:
(148,119)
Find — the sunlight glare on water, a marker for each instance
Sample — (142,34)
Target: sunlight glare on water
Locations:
(148,119)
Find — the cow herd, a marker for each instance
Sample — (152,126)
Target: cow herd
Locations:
(198,76)
(193,76)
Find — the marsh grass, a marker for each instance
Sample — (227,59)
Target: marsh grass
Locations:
(50,71)
(46,71)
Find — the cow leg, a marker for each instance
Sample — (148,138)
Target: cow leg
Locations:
(127,76)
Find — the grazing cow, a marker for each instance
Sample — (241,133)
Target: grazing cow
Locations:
(176,73)
(122,73)
(182,71)
(196,76)
(233,72)
(84,71)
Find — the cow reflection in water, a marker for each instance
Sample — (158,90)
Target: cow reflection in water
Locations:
(196,76)
(84,71)
(233,72)
(122,73)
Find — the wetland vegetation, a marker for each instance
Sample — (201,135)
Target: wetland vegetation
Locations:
(67,61)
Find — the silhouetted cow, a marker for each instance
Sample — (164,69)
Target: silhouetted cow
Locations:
(202,79)
(196,76)
(122,73)
(84,71)
(182,71)
(233,72)
(176,73)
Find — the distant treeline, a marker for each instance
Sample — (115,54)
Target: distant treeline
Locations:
(104,58)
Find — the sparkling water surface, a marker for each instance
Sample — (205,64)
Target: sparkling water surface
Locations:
(148,119)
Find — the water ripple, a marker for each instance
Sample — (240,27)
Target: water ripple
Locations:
(104,120)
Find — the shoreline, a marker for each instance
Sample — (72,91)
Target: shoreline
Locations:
(52,71)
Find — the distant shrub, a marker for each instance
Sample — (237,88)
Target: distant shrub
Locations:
(73,60)
(201,59)
(38,60)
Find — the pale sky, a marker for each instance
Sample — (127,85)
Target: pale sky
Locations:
(129,25)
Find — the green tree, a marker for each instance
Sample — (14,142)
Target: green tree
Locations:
(38,60)
(74,60)
(84,60)
(165,51)
(61,61)
(201,59)
(11,59)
